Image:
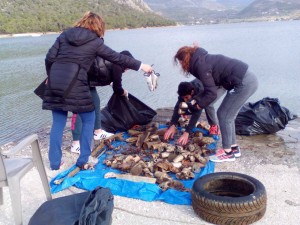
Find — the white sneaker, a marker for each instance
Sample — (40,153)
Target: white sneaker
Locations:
(75,148)
(103,134)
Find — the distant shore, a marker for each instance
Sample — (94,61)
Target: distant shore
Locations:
(37,34)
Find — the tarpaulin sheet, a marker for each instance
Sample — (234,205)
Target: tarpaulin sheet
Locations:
(90,179)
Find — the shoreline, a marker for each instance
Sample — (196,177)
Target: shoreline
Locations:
(33,34)
(38,34)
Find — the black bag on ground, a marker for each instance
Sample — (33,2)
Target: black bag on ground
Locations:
(87,208)
(262,117)
(121,114)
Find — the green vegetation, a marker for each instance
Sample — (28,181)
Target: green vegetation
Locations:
(23,16)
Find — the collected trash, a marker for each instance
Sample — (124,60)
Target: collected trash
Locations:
(121,113)
(146,155)
(262,117)
(152,80)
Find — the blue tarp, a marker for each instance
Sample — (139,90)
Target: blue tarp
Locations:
(90,179)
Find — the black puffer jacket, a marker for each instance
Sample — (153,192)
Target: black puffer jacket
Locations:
(215,71)
(71,57)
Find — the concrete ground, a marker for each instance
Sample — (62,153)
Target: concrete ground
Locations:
(272,159)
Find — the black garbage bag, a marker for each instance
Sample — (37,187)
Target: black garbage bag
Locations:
(87,208)
(262,117)
(121,113)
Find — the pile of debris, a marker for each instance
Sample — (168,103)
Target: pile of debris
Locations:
(146,154)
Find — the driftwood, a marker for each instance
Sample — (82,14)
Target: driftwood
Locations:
(103,142)
(130,177)
(71,174)
(134,133)
(149,144)
(97,152)
(142,138)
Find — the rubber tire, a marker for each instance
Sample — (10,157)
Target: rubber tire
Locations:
(229,198)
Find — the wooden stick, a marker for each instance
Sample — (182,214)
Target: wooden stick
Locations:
(130,177)
(71,174)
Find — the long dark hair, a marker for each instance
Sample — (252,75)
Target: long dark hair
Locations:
(183,57)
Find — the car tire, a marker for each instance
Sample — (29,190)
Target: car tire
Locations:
(229,198)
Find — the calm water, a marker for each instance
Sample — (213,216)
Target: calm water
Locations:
(272,50)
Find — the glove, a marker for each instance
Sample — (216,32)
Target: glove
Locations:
(154,79)
(149,82)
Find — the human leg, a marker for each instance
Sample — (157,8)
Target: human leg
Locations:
(59,122)
(231,105)
(88,120)
(98,132)
(210,110)
(76,127)
(211,113)
(229,109)
(77,122)
(96,101)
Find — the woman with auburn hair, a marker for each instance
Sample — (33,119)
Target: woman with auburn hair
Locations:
(219,74)
(67,63)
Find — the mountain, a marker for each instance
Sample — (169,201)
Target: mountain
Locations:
(223,11)
(265,8)
(22,16)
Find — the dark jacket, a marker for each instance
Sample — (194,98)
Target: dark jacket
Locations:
(215,71)
(198,90)
(110,74)
(67,63)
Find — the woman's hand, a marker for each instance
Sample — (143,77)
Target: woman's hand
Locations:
(146,68)
(125,93)
(170,132)
(183,140)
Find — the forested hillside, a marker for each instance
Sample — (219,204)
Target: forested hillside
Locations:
(22,16)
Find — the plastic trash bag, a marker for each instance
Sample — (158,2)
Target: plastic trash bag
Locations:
(122,113)
(87,208)
(262,117)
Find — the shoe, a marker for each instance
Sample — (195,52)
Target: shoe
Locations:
(61,166)
(222,156)
(75,148)
(103,134)
(236,151)
(214,130)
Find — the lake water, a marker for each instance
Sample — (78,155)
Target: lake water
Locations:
(272,50)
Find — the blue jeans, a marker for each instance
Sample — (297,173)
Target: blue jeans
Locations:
(56,135)
(231,105)
(78,122)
